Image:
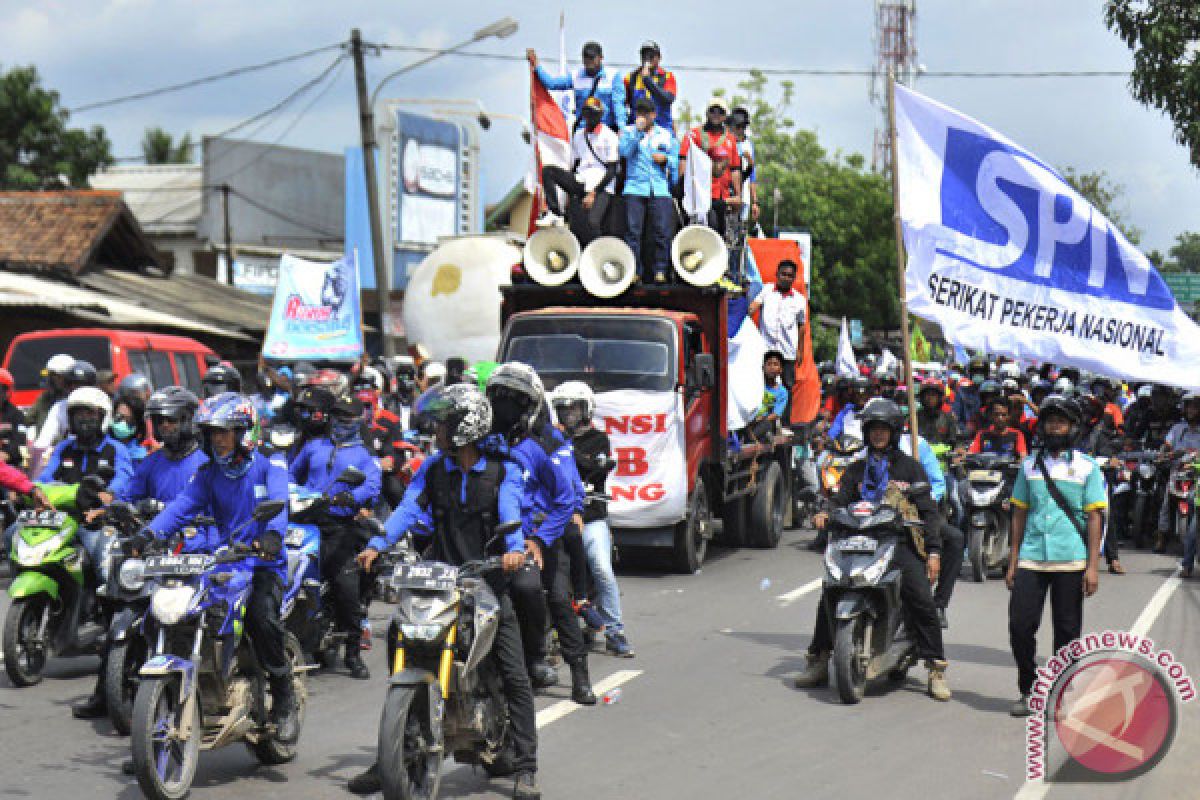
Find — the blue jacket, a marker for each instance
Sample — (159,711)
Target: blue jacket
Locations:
(320,461)
(163,478)
(551,484)
(122,466)
(231,502)
(966,404)
(839,422)
(410,511)
(643,177)
(933,469)
(581,83)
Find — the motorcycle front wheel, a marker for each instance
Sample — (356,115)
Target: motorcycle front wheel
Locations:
(410,762)
(121,680)
(848,647)
(25,653)
(975,555)
(164,758)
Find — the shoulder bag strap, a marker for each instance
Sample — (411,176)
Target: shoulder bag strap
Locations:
(1056,493)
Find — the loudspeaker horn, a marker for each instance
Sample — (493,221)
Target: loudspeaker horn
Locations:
(699,255)
(607,267)
(552,256)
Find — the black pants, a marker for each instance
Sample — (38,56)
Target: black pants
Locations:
(264,625)
(1025,605)
(340,543)
(920,614)
(510,658)
(532,591)
(953,545)
(554,177)
(789,380)
(577,563)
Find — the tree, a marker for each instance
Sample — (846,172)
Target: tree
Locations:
(1184,255)
(1166,66)
(158,147)
(847,208)
(1100,190)
(37,149)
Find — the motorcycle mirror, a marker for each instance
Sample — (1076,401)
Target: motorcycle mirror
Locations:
(268,509)
(505,528)
(352,476)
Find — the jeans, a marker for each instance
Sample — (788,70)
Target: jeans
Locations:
(597,541)
(1025,605)
(93,542)
(660,210)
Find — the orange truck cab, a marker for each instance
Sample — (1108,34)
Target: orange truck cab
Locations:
(166,360)
(657,359)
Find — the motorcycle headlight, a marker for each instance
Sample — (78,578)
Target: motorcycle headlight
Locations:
(835,571)
(132,575)
(30,555)
(170,603)
(422,633)
(1146,471)
(300,504)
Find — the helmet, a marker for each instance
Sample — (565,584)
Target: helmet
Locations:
(368,378)
(303,372)
(346,415)
(134,385)
(1102,382)
(989,387)
(435,370)
(1060,404)
(332,380)
(228,411)
(934,385)
(574,403)
(81,373)
(88,397)
(221,379)
(516,394)
(404,364)
(1010,385)
(178,404)
(885,412)
(976,365)
(312,409)
(6,378)
(461,407)
(1144,391)
(59,364)
(1063,386)
(1008,369)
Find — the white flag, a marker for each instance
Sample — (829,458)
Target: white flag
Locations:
(887,361)
(697,185)
(1009,259)
(847,364)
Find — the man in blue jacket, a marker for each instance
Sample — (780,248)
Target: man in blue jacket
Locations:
(317,466)
(591,80)
(651,168)
(523,433)
(235,480)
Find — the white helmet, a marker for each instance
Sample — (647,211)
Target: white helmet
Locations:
(569,393)
(1145,391)
(1008,369)
(435,370)
(372,375)
(1063,386)
(60,364)
(94,398)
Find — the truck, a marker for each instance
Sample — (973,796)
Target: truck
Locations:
(657,358)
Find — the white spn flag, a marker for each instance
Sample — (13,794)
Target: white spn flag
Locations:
(1008,258)
(847,364)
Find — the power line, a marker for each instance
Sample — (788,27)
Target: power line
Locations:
(310,226)
(207,79)
(284,102)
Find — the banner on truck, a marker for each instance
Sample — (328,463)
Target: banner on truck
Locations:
(645,429)
(316,312)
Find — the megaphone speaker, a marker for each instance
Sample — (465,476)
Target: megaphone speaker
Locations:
(551,256)
(699,255)
(607,267)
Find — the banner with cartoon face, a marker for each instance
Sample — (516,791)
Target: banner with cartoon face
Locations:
(316,313)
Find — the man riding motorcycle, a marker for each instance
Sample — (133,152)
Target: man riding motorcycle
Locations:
(468,494)
(1183,437)
(316,467)
(868,479)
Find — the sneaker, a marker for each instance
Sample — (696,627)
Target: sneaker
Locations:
(938,688)
(549,220)
(616,644)
(367,782)
(526,787)
(1116,569)
(815,674)
(1020,707)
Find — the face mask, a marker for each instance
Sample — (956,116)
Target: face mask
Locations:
(86,430)
(123,430)
(1057,442)
(344,430)
(505,416)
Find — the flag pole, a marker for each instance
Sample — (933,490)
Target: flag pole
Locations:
(899,232)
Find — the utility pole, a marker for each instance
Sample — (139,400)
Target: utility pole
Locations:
(366,120)
(228,235)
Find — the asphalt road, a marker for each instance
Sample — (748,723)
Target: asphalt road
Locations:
(706,708)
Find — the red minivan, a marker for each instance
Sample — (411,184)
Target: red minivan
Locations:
(165,360)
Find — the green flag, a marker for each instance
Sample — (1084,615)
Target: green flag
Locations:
(918,346)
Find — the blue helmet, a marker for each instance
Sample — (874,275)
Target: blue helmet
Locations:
(228,411)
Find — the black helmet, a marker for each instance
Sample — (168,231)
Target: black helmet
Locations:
(978,364)
(312,409)
(82,373)
(1057,403)
(516,395)
(883,411)
(221,378)
(134,386)
(178,404)
(347,407)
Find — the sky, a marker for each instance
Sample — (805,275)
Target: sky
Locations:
(92,50)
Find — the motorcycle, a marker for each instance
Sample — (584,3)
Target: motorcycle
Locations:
(1144,477)
(861,593)
(1181,486)
(444,695)
(831,465)
(986,490)
(53,611)
(202,687)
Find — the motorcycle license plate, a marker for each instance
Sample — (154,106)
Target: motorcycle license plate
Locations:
(428,576)
(294,537)
(31,518)
(176,565)
(985,475)
(858,544)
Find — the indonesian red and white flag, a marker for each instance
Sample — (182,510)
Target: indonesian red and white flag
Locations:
(552,141)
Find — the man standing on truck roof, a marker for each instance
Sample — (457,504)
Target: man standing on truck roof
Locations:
(784,311)
(651,167)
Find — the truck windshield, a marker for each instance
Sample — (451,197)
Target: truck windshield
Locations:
(608,353)
(29,356)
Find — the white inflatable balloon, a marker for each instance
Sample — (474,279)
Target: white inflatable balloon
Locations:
(452,303)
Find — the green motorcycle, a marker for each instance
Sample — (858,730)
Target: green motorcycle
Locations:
(53,610)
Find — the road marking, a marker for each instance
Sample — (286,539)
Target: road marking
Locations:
(788,598)
(1036,790)
(601,687)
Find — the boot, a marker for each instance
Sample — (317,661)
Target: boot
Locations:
(1160,542)
(367,782)
(283,710)
(354,663)
(526,787)
(542,675)
(816,673)
(938,688)
(581,685)
(94,707)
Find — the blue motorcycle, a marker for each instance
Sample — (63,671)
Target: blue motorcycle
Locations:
(202,687)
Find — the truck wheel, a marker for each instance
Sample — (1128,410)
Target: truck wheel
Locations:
(734,521)
(691,535)
(768,509)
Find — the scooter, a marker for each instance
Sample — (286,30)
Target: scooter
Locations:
(53,610)
(1181,486)
(861,594)
(203,687)
(1143,466)
(986,490)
